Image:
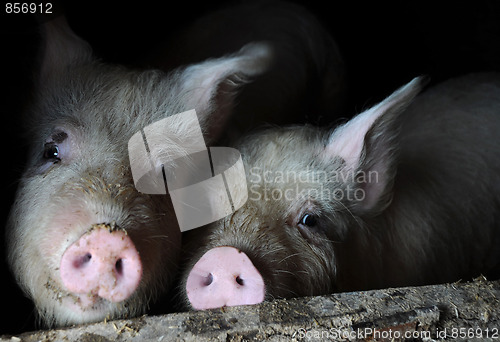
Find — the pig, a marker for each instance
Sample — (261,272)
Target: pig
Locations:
(405,193)
(82,242)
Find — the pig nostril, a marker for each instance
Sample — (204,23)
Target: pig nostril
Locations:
(208,280)
(84,260)
(239,280)
(119,266)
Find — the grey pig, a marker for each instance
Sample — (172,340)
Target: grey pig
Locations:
(405,193)
(83,243)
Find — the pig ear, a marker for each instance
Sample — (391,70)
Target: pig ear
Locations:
(61,48)
(210,87)
(368,145)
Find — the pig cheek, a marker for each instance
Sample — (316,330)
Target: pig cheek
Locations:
(313,236)
(38,238)
(314,265)
(61,230)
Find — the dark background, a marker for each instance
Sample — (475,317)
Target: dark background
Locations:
(384,46)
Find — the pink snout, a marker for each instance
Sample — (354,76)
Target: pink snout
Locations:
(224,276)
(103,263)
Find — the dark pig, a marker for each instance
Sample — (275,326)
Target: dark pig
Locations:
(306,80)
(405,193)
(83,243)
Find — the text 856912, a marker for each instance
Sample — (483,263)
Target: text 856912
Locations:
(28,8)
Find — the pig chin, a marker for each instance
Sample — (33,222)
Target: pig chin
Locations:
(69,308)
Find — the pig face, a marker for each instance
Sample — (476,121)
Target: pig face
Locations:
(83,243)
(309,190)
(286,226)
(79,177)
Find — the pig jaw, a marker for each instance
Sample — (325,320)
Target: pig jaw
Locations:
(66,309)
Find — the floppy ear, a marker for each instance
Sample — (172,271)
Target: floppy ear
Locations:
(61,48)
(211,86)
(368,144)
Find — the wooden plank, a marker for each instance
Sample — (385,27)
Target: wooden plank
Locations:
(459,311)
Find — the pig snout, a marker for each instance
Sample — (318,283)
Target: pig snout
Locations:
(102,262)
(224,276)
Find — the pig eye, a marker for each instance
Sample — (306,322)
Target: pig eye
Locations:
(51,152)
(308,220)
(309,227)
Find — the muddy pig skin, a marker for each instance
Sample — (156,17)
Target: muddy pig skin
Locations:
(405,193)
(83,243)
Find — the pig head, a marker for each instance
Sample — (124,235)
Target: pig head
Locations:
(405,193)
(83,243)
